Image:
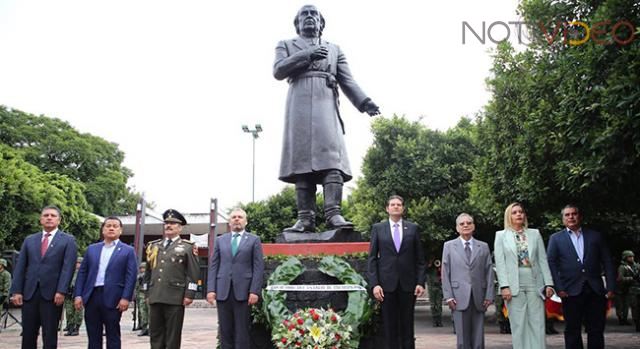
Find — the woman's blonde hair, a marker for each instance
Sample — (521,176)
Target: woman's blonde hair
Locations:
(508,224)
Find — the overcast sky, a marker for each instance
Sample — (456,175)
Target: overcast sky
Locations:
(171,82)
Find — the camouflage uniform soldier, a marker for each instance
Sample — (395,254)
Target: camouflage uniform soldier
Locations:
(74,317)
(5,283)
(434,286)
(141,302)
(628,288)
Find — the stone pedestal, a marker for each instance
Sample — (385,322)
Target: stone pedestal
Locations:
(335,235)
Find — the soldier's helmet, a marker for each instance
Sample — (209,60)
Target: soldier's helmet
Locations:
(627,253)
(3,262)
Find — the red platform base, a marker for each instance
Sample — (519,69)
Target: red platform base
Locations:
(327,248)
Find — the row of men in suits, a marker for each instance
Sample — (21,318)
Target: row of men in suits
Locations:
(105,282)
(45,268)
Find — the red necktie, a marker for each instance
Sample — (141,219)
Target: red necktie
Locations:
(45,244)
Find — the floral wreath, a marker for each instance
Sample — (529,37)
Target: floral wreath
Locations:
(359,306)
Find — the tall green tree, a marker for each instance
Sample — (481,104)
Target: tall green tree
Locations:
(54,146)
(430,169)
(564,121)
(25,189)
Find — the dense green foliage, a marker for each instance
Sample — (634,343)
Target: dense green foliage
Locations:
(564,123)
(54,146)
(25,189)
(431,170)
(45,161)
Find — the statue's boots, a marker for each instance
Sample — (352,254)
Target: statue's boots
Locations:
(332,202)
(306,202)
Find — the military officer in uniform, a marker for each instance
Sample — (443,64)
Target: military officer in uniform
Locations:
(434,286)
(74,316)
(142,307)
(171,279)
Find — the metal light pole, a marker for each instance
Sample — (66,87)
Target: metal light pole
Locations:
(254,133)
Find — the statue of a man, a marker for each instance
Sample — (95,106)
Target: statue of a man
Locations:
(313,149)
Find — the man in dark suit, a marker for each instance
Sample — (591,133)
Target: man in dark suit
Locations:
(577,257)
(171,282)
(105,284)
(396,269)
(41,279)
(235,280)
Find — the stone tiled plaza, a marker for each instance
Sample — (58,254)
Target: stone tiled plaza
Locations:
(201,322)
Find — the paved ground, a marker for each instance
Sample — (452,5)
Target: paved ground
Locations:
(200,332)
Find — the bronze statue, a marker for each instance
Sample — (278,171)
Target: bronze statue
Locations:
(313,149)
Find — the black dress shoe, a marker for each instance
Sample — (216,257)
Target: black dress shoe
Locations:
(551,330)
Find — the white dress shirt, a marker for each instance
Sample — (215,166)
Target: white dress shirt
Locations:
(105,256)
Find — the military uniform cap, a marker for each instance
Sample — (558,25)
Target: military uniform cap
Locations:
(3,262)
(173,216)
(143,264)
(627,253)
(79,260)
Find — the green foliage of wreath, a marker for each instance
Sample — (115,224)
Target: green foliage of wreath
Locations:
(359,309)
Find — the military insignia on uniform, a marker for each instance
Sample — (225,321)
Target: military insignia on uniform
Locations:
(179,249)
(152,255)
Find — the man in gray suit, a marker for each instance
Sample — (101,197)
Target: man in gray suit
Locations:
(235,280)
(313,150)
(467,283)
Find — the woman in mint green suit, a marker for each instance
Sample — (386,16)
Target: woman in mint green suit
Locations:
(524,277)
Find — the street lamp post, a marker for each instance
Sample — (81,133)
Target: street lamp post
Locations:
(254,133)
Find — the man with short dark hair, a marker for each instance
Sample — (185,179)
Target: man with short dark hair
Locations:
(577,259)
(41,279)
(105,284)
(396,268)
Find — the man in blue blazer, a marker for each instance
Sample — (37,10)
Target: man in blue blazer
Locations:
(396,268)
(105,284)
(41,279)
(235,280)
(577,257)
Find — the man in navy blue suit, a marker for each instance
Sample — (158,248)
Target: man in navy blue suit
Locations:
(105,284)
(577,257)
(41,279)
